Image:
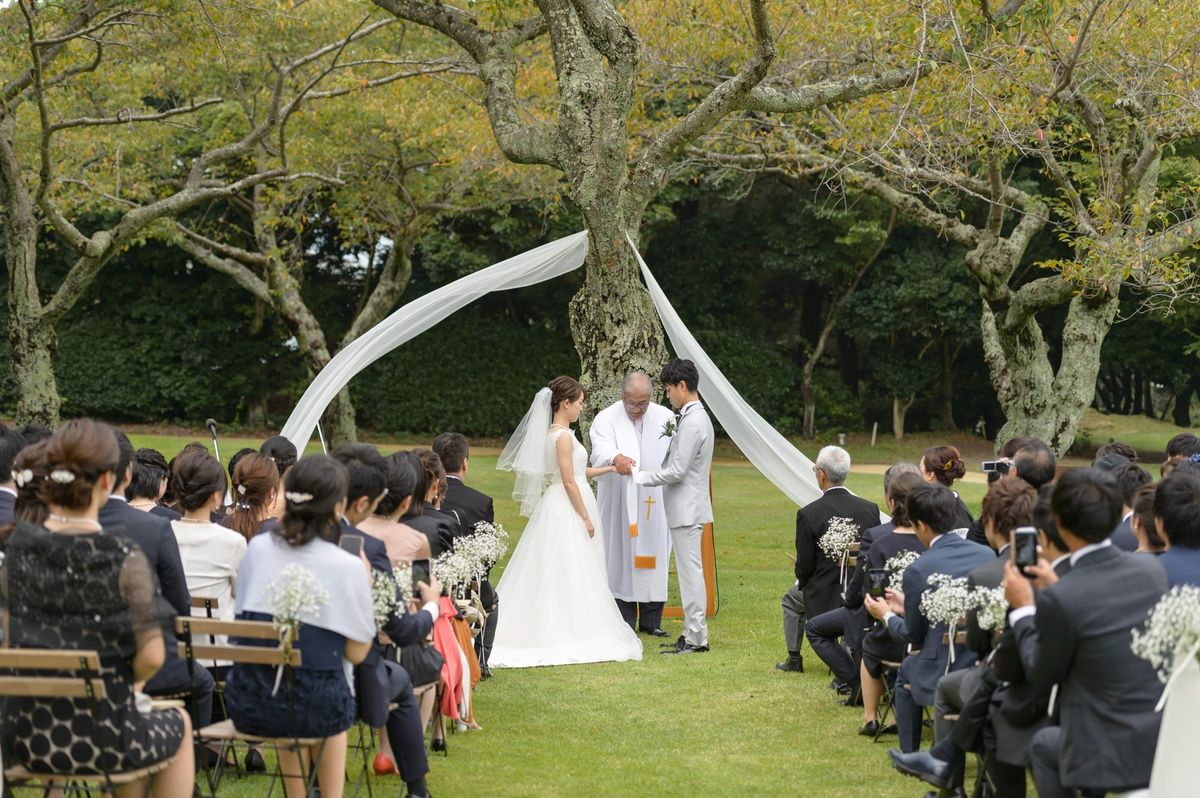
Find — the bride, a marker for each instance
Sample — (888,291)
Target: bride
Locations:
(558,609)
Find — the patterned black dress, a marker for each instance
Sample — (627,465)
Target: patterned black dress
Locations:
(94,592)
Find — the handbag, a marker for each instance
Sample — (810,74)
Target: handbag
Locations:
(423,663)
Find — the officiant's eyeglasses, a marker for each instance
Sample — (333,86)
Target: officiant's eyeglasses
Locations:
(636,405)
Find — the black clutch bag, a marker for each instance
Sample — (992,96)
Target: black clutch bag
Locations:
(423,663)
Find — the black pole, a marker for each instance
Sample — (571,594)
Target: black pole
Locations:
(212,428)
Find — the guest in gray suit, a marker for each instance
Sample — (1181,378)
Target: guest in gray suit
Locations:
(684,476)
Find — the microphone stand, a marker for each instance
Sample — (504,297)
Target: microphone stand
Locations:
(212,428)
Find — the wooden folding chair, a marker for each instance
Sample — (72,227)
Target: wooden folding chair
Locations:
(39,673)
(225,733)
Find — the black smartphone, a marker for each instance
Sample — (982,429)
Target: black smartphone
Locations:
(877,580)
(351,543)
(420,573)
(1024,548)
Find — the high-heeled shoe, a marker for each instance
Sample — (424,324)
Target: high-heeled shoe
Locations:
(384,765)
(439,745)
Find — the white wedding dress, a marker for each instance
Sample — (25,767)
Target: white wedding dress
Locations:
(555,603)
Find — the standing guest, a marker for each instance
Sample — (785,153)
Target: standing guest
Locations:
(255,490)
(934,512)
(819,584)
(401,541)
(943,465)
(11,442)
(68,584)
(1177,518)
(1130,478)
(422,515)
(153,534)
(331,640)
(149,483)
(637,543)
(1077,636)
(1144,527)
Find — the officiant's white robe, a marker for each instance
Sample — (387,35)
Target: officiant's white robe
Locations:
(637,540)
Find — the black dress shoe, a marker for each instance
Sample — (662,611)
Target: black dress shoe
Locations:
(686,648)
(840,687)
(439,745)
(254,761)
(853,700)
(791,665)
(655,632)
(680,641)
(890,729)
(922,765)
(484,672)
(869,729)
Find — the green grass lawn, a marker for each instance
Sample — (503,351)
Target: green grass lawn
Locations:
(723,723)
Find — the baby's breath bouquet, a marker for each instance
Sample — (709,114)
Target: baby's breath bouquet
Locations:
(838,537)
(898,564)
(293,595)
(383,596)
(990,606)
(454,571)
(493,542)
(945,600)
(1172,631)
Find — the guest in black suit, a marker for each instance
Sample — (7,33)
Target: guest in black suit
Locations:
(471,507)
(819,580)
(154,535)
(943,465)
(379,679)
(1177,518)
(11,442)
(1082,625)
(422,515)
(1130,478)
(149,483)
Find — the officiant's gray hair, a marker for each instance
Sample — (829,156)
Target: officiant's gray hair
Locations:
(636,377)
(835,462)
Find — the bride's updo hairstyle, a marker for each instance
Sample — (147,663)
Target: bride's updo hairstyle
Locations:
(564,389)
(197,477)
(76,456)
(312,490)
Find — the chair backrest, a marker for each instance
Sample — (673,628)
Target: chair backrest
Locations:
(205,603)
(84,665)
(248,654)
(852,554)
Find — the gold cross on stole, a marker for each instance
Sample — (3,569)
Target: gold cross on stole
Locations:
(649,503)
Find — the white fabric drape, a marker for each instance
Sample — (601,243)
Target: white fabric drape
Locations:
(772,454)
(530,268)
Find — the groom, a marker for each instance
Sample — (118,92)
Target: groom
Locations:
(684,477)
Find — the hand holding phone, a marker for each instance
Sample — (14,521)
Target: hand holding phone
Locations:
(352,544)
(877,581)
(421,574)
(1024,549)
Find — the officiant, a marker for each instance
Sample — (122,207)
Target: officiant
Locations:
(634,431)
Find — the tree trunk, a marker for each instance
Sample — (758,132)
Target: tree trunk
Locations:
(32,348)
(1183,403)
(899,410)
(810,403)
(948,357)
(1135,389)
(1148,401)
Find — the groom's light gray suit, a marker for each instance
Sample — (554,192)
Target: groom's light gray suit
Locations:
(684,477)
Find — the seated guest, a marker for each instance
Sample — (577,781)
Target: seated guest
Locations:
(1179,448)
(318,701)
(30,468)
(1035,463)
(819,579)
(1177,519)
(1077,636)
(878,645)
(943,465)
(154,535)
(255,490)
(1130,478)
(1119,449)
(70,585)
(283,453)
(149,483)
(934,512)
(11,442)
(401,541)
(1142,523)
(233,461)
(422,515)
(168,499)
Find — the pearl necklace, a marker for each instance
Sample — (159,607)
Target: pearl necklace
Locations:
(194,520)
(66,519)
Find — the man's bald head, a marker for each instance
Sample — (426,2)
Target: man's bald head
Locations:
(635,394)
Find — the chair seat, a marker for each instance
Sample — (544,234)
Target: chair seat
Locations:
(19,774)
(225,730)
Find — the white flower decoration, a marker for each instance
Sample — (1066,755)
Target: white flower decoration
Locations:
(839,535)
(62,476)
(23,477)
(298,498)
(1171,631)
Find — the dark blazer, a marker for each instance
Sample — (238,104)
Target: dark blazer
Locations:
(1123,537)
(990,574)
(467,504)
(165,512)
(1182,566)
(953,556)
(819,576)
(1106,694)
(964,520)
(157,540)
(434,525)
(854,588)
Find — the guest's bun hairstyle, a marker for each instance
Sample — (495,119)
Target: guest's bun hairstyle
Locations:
(680,370)
(1087,503)
(312,490)
(76,457)
(1143,511)
(898,489)
(282,451)
(934,505)
(367,468)
(149,470)
(237,458)
(196,479)
(29,471)
(1177,505)
(189,449)
(401,480)
(453,448)
(1009,504)
(946,464)
(255,481)
(564,389)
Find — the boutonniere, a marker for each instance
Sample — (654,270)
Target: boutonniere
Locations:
(668,429)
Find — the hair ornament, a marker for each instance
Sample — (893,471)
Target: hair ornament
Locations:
(298,498)
(23,477)
(241,489)
(62,476)
(1195,458)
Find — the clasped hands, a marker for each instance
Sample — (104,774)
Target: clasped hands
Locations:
(624,465)
(892,601)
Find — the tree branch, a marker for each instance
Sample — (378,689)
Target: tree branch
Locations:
(1175,239)
(242,275)
(1033,297)
(125,115)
